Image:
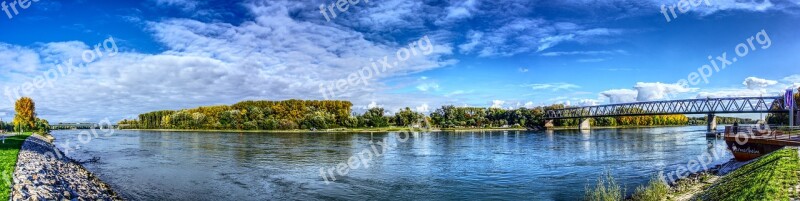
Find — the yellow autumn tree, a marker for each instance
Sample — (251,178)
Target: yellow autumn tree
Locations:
(25,117)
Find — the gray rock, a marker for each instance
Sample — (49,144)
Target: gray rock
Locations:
(42,177)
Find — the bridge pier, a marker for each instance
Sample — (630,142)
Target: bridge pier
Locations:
(712,123)
(585,124)
(548,124)
(797,118)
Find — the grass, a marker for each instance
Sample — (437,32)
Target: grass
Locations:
(771,177)
(605,190)
(8,160)
(655,190)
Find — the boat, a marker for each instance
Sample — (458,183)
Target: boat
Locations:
(748,142)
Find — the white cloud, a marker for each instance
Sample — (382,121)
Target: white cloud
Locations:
(18,59)
(726,93)
(595,60)
(523,70)
(462,9)
(474,40)
(552,86)
(588,102)
(591,53)
(457,92)
(550,41)
(529,105)
(424,108)
(272,56)
(792,78)
(519,35)
(746,5)
(796,85)
(620,95)
(373,104)
(659,91)
(498,104)
(428,86)
(185,5)
(758,83)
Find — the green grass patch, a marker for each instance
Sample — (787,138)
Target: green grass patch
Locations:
(8,160)
(655,190)
(606,189)
(771,177)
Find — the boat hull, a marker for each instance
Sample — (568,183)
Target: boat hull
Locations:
(750,150)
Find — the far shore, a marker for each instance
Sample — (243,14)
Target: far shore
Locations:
(394,129)
(360,130)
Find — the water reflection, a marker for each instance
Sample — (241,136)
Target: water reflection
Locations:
(512,165)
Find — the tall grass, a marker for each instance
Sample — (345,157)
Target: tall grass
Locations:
(606,190)
(656,190)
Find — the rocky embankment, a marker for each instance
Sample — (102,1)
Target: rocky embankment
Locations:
(43,173)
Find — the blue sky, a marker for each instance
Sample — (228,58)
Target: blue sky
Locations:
(172,54)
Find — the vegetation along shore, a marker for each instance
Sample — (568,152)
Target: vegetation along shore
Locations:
(770,177)
(338,116)
(32,168)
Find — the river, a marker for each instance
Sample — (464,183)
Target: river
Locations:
(498,165)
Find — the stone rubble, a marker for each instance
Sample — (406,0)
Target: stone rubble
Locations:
(44,173)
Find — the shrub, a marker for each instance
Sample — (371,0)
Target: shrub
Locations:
(605,190)
(655,190)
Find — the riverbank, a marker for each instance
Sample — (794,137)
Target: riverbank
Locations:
(771,177)
(339,130)
(616,127)
(390,129)
(44,173)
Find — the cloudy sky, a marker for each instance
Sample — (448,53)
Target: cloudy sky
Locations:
(172,54)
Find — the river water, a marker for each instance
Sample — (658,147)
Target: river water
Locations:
(513,165)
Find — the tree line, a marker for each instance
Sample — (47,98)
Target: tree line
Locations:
(25,118)
(721,120)
(249,115)
(783,118)
(326,114)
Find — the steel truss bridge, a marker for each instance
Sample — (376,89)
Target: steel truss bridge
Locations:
(708,106)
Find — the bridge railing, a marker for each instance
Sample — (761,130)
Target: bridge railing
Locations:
(781,133)
(688,106)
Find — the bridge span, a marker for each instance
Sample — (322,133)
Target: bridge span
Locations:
(707,106)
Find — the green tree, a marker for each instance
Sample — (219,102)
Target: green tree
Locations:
(42,126)
(407,117)
(374,118)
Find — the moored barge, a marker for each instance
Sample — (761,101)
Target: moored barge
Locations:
(747,143)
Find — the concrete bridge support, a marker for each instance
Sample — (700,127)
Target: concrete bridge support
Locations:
(797,118)
(585,124)
(548,124)
(712,123)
